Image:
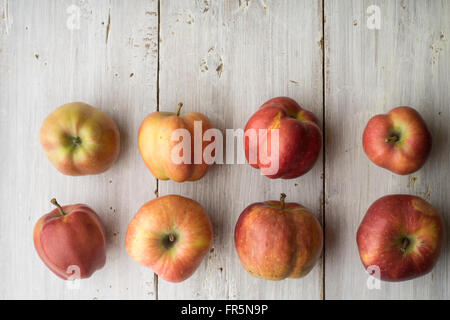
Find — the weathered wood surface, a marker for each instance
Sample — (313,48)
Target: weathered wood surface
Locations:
(43,64)
(368,72)
(222,58)
(225,60)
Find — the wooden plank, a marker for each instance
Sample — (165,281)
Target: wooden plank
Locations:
(109,62)
(369,72)
(224,59)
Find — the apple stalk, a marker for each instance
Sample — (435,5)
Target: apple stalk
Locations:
(282,202)
(60,209)
(180,105)
(405,244)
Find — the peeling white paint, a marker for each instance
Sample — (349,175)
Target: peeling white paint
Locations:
(7,20)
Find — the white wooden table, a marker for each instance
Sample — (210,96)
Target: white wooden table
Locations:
(222,58)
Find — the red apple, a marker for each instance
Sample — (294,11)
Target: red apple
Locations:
(80,139)
(171,235)
(299,134)
(156,145)
(401,235)
(277,240)
(398,141)
(70,240)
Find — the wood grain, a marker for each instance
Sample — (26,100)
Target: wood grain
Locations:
(369,72)
(43,64)
(224,60)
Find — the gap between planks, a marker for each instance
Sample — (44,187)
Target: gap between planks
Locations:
(323,145)
(155,276)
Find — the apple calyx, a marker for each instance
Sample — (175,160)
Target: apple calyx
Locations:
(393,138)
(60,209)
(282,198)
(76,141)
(180,105)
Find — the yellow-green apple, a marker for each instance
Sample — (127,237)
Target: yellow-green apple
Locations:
(299,139)
(398,141)
(157,145)
(401,236)
(70,240)
(277,240)
(80,139)
(171,235)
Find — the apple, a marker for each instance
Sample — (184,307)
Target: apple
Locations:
(171,235)
(401,236)
(300,139)
(277,240)
(70,240)
(398,141)
(80,139)
(156,145)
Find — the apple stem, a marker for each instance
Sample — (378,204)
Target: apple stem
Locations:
(405,244)
(180,105)
(171,238)
(61,211)
(282,197)
(393,139)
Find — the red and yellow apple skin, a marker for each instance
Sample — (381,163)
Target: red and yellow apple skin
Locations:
(156,145)
(275,241)
(171,235)
(80,139)
(71,236)
(398,141)
(300,138)
(401,235)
